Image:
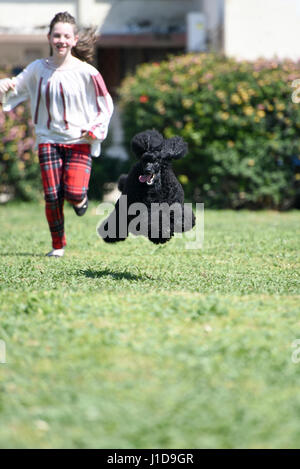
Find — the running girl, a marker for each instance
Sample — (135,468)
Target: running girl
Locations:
(71,109)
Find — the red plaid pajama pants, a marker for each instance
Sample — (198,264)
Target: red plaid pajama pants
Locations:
(65,173)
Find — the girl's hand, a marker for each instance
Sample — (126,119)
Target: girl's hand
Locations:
(87,135)
(6,84)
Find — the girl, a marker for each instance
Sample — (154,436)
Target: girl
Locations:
(71,109)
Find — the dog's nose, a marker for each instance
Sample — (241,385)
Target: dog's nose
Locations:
(149,168)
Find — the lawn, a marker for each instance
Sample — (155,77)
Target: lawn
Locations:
(138,346)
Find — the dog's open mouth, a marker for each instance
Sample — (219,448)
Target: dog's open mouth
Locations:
(148,178)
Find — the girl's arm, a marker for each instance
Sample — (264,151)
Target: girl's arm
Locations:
(16,90)
(102,104)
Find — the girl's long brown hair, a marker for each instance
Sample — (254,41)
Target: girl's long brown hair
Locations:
(84,49)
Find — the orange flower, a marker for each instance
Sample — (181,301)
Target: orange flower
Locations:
(144,99)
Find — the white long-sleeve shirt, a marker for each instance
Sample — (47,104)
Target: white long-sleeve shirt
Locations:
(64,102)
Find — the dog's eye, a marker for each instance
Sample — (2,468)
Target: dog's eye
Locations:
(147,159)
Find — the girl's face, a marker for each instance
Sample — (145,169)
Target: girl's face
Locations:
(62,39)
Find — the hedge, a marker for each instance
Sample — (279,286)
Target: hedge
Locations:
(19,167)
(238,119)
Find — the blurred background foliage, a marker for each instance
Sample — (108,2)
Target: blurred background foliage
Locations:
(19,168)
(238,119)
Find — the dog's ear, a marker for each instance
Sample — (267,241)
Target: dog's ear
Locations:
(175,148)
(147,141)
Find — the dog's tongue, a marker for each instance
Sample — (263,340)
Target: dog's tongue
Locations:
(144,178)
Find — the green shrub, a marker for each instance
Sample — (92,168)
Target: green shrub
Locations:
(238,119)
(19,167)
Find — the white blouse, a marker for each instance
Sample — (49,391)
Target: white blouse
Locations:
(64,102)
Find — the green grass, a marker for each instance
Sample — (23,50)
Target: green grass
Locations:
(134,346)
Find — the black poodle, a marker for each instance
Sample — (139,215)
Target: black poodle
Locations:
(152,191)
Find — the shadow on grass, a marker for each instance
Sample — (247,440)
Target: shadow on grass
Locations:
(115,275)
(12,254)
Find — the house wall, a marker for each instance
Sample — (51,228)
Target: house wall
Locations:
(21,50)
(110,16)
(262,28)
(22,16)
(24,24)
(214,18)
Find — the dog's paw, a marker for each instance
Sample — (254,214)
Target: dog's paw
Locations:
(186,222)
(113,240)
(122,182)
(159,240)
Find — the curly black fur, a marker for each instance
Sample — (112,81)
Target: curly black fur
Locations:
(153,183)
